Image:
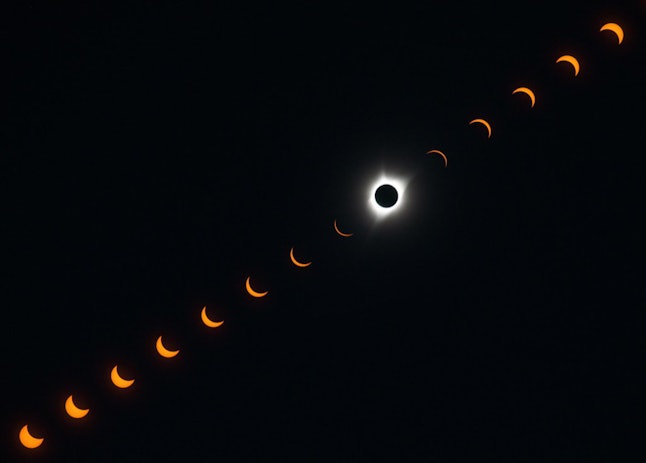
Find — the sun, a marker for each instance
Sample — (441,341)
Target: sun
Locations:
(387,195)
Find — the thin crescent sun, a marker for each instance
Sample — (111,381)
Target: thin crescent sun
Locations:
(527,92)
(616,28)
(345,235)
(207,321)
(572,60)
(118,381)
(296,262)
(251,291)
(74,411)
(163,351)
(483,122)
(28,440)
(446,161)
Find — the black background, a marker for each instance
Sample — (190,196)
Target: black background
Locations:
(154,156)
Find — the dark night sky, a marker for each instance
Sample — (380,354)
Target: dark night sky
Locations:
(155,156)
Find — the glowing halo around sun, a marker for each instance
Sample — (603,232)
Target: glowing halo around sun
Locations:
(399,185)
(27,440)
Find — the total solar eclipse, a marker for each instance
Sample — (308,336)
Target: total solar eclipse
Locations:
(386,196)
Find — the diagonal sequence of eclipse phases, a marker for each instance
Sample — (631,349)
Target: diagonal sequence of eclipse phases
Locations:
(385,196)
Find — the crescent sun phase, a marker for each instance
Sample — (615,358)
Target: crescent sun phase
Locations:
(73,410)
(207,320)
(253,292)
(118,380)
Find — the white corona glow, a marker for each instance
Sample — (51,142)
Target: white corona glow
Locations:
(400,186)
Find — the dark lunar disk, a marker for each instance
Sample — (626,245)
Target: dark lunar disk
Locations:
(386,195)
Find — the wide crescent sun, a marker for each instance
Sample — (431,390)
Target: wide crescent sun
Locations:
(163,351)
(28,440)
(74,411)
(118,381)
(616,28)
(207,321)
(483,122)
(572,60)
(527,92)
(296,262)
(446,161)
(253,292)
(336,228)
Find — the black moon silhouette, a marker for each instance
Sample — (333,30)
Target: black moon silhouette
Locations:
(386,196)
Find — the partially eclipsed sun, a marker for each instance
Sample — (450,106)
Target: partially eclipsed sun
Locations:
(527,92)
(446,161)
(207,321)
(572,60)
(296,262)
(73,410)
(28,440)
(483,122)
(118,380)
(339,232)
(252,291)
(163,350)
(616,28)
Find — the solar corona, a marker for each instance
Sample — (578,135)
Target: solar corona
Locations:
(385,197)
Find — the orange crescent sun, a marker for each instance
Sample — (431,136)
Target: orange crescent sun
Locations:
(118,381)
(527,92)
(207,321)
(74,411)
(27,440)
(483,122)
(572,60)
(345,235)
(446,161)
(251,291)
(296,262)
(163,351)
(616,28)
